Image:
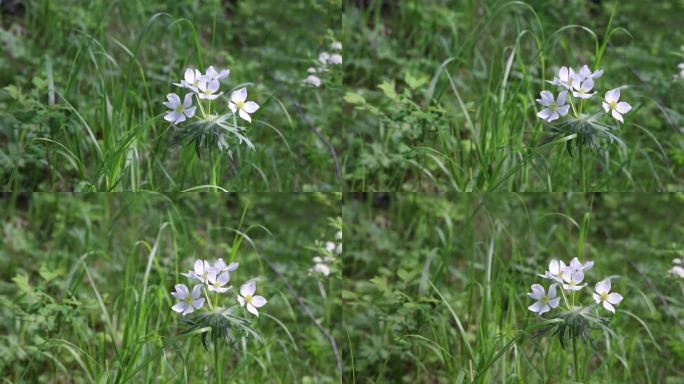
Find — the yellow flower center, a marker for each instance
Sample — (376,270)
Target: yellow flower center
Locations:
(604,296)
(248,299)
(544,299)
(180,108)
(240,104)
(188,300)
(613,104)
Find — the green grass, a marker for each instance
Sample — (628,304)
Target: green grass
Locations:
(86,282)
(435,287)
(441,95)
(82,86)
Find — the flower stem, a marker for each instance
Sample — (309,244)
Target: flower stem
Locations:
(583,180)
(199,102)
(574,355)
(218,370)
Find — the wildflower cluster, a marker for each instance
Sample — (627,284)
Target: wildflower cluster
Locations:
(677,269)
(214,278)
(575,88)
(204,90)
(570,277)
(325,60)
(324,262)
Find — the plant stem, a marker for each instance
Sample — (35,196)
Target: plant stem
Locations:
(574,355)
(217,361)
(583,186)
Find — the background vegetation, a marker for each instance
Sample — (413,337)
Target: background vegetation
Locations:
(435,287)
(441,93)
(82,85)
(86,281)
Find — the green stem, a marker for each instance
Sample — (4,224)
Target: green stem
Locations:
(574,355)
(199,102)
(218,370)
(583,186)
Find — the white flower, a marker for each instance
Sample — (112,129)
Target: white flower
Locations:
(576,265)
(681,70)
(338,235)
(238,103)
(247,297)
(603,294)
(179,111)
(554,109)
(677,260)
(677,271)
(338,249)
(191,79)
(585,73)
(572,279)
(313,80)
(221,266)
(564,79)
(324,57)
(212,74)
(216,281)
(616,108)
(320,266)
(201,270)
(555,272)
(582,87)
(544,302)
(336,46)
(311,70)
(335,59)
(207,90)
(188,303)
(329,246)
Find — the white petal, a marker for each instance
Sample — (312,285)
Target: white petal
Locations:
(606,107)
(239,95)
(252,310)
(190,75)
(554,116)
(578,276)
(174,100)
(614,298)
(563,110)
(603,286)
(190,112)
(553,303)
(187,101)
(172,116)
(179,307)
(245,115)
(199,303)
(199,267)
(232,106)
(180,117)
(598,73)
(182,289)
(214,86)
(563,74)
(197,291)
(596,297)
(188,309)
(211,276)
(613,95)
(546,98)
(544,114)
(211,72)
(536,307)
(251,107)
(223,278)
(554,267)
(537,291)
(248,288)
(552,291)
(562,98)
(617,116)
(169,105)
(258,301)
(623,107)
(588,84)
(608,306)
(585,72)
(232,266)
(544,308)
(241,300)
